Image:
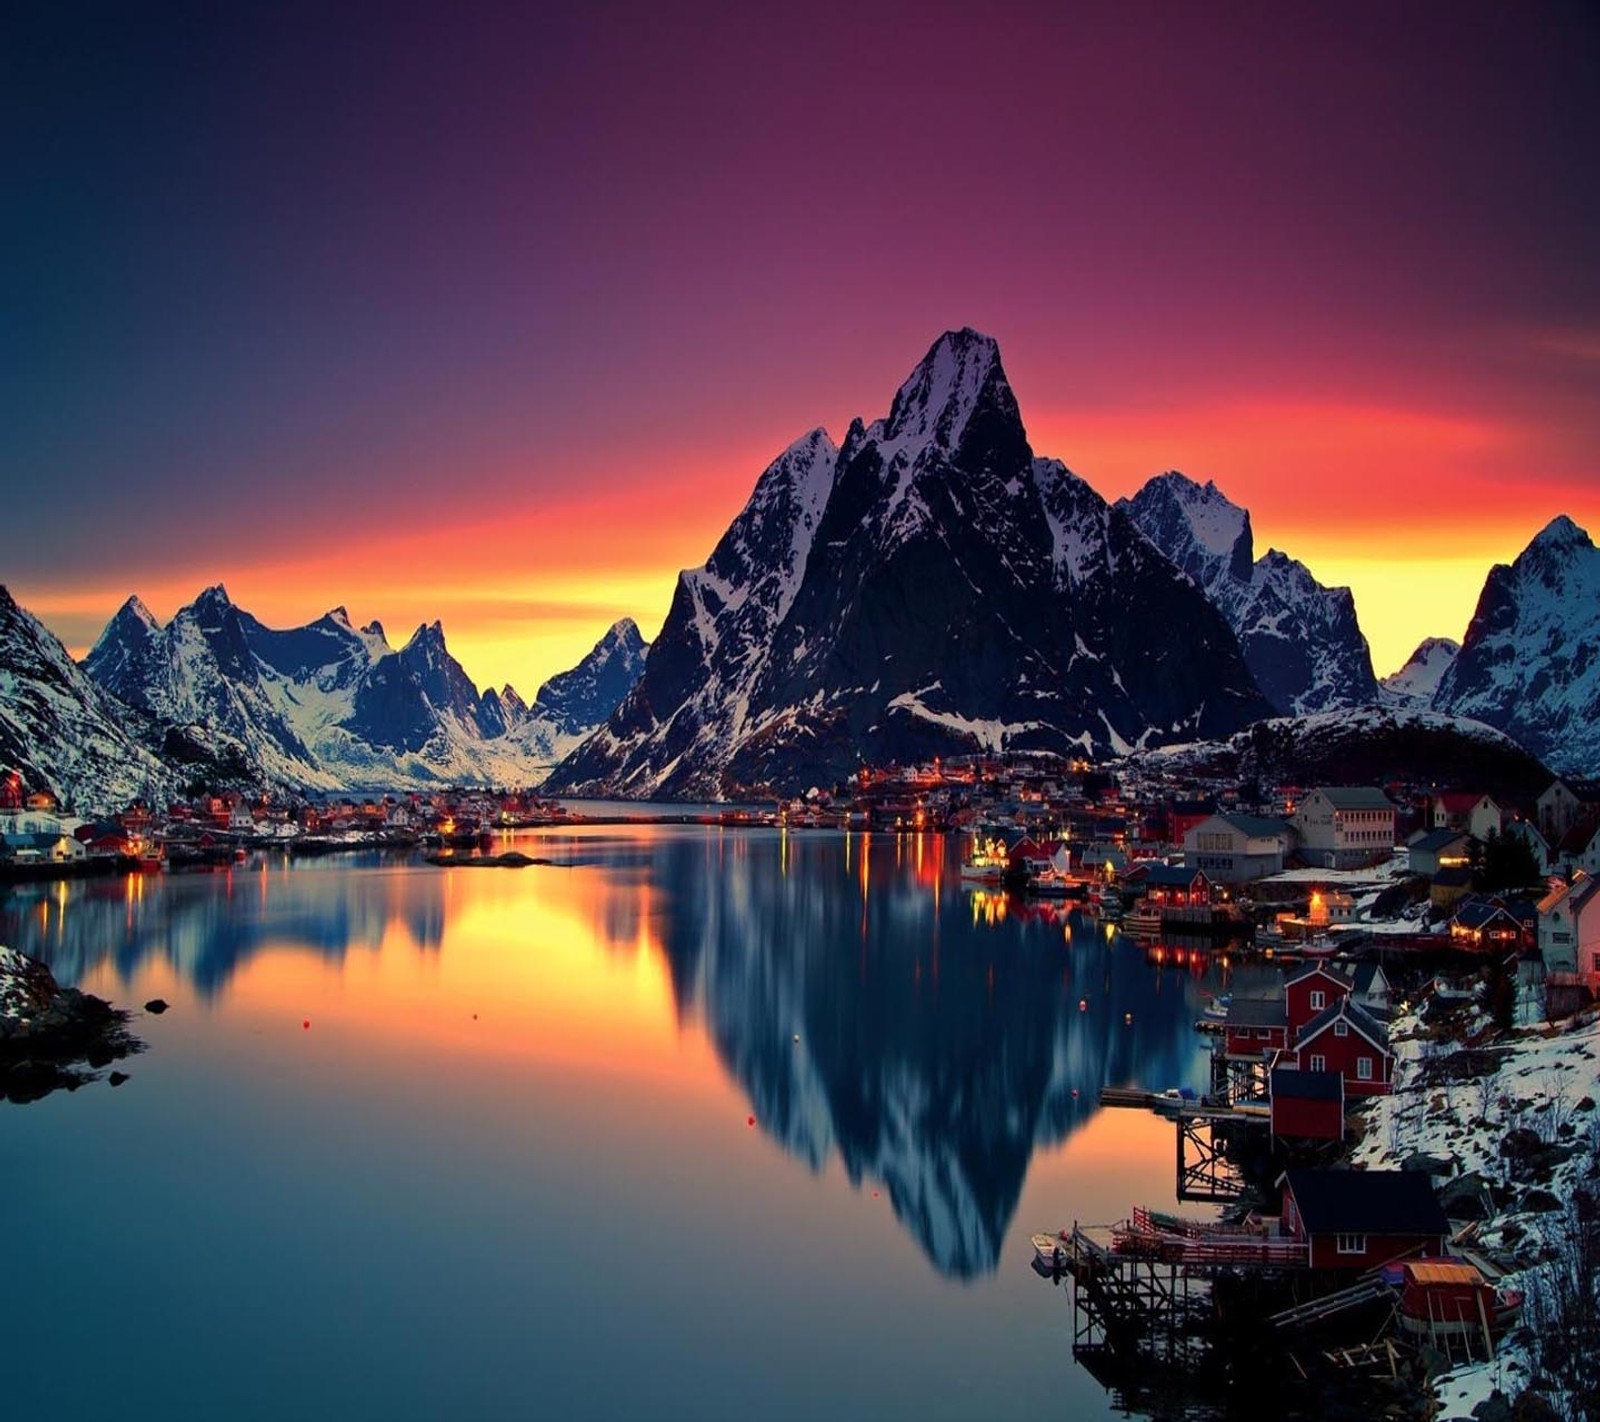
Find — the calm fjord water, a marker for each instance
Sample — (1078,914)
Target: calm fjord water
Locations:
(508,1169)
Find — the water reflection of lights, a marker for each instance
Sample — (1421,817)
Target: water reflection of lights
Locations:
(988,908)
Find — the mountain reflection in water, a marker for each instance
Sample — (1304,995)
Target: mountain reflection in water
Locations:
(866,1003)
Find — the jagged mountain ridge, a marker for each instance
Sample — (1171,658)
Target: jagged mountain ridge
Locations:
(329,706)
(1302,641)
(930,587)
(61,730)
(1530,661)
(1418,680)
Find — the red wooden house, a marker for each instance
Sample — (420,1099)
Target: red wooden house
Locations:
(1307,1105)
(1360,1219)
(1309,994)
(1346,1040)
(1255,1027)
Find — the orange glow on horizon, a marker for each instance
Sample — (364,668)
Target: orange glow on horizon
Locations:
(1408,508)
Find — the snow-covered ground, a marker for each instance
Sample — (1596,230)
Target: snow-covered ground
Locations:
(24,985)
(1546,1081)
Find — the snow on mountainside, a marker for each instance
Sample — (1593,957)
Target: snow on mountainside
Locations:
(1417,681)
(927,588)
(1301,640)
(60,729)
(327,706)
(1366,745)
(572,703)
(1530,662)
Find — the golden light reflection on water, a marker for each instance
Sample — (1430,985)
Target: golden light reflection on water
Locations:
(525,969)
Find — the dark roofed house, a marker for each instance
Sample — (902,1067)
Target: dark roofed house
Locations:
(1359,1219)
(1307,1105)
(1255,1027)
(1174,886)
(1485,924)
(1372,989)
(1237,849)
(1439,849)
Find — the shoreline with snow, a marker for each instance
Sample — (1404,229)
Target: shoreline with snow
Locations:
(1511,1117)
(54,1038)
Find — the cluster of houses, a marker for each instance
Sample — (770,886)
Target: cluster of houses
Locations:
(33,830)
(1322,1041)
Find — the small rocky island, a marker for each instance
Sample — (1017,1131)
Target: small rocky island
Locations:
(51,1037)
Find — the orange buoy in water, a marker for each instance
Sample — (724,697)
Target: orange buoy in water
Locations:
(306,1025)
(749,1120)
(1083,1004)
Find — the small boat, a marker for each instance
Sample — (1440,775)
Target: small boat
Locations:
(986,863)
(1050,1249)
(1145,921)
(1217,1009)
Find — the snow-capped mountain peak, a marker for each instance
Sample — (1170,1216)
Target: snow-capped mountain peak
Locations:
(932,589)
(1417,681)
(60,729)
(960,372)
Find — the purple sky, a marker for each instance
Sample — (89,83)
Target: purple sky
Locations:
(494,313)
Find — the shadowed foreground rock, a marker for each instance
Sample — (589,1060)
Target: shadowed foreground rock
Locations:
(53,1037)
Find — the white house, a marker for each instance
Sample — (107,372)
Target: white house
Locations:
(1478,815)
(1344,826)
(1569,930)
(1237,849)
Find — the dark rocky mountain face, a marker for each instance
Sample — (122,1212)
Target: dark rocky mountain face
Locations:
(1530,662)
(929,588)
(1301,641)
(576,701)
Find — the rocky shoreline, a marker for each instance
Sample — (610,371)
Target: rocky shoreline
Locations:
(54,1038)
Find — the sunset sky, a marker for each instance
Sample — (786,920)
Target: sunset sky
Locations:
(493,313)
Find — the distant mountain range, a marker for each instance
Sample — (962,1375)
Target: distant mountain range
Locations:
(929,587)
(217,697)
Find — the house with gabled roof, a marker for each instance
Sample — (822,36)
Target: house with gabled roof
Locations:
(1484,923)
(1467,811)
(1439,849)
(1255,1027)
(1579,847)
(1569,931)
(1360,1219)
(1310,992)
(1562,805)
(1344,826)
(1544,852)
(1238,849)
(1349,1040)
(1372,990)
